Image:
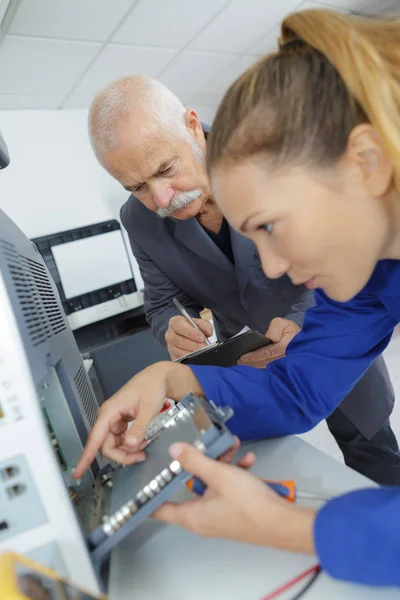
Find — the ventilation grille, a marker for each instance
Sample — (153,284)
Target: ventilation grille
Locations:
(86,394)
(38,302)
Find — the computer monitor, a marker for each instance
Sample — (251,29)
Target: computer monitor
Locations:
(47,408)
(95,274)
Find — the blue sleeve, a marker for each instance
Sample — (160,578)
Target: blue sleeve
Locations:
(357,537)
(324,361)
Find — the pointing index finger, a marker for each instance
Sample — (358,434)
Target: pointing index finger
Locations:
(93,445)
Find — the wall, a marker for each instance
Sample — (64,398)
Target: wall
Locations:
(54,182)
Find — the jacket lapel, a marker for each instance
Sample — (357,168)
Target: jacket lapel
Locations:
(193,236)
(243,252)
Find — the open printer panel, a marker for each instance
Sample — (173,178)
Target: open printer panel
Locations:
(131,494)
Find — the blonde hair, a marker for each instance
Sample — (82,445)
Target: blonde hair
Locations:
(300,104)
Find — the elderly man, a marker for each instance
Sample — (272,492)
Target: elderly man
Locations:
(143,136)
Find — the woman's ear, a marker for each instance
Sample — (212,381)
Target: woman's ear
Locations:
(365,150)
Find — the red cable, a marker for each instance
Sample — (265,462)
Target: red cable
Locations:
(291,583)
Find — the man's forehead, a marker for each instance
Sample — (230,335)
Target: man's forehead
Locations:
(149,156)
(139,159)
(145,136)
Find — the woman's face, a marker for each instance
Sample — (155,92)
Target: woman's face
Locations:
(323,229)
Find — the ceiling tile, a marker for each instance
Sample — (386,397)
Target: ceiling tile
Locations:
(390,7)
(116,61)
(27,101)
(191,71)
(205,112)
(40,67)
(268,43)
(204,99)
(78,101)
(367,7)
(75,20)
(224,79)
(241,24)
(176,23)
(309,4)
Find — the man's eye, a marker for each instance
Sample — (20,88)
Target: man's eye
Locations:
(167,171)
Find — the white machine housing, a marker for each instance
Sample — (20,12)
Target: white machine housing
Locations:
(40,370)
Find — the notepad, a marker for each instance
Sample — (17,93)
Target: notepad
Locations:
(227,354)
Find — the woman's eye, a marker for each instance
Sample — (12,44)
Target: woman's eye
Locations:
(269,227)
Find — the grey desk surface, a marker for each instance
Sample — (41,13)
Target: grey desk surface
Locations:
(166,562)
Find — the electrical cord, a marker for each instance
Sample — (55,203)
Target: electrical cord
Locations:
(313,571)
(308,584)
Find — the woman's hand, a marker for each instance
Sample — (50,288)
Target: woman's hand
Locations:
(140,400)
(237,505)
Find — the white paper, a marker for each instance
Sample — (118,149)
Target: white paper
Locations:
(92,263)
(242,331)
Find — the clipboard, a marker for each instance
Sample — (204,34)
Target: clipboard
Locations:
(226,354)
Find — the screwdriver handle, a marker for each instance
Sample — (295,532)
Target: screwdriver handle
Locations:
(285,489)
(196,486)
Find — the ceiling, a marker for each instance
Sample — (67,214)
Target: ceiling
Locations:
(59,53)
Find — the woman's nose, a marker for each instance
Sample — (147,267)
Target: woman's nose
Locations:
(274,266)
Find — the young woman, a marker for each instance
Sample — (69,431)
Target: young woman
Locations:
(312,135)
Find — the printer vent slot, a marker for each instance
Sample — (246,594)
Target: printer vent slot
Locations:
(87,396)
(37,300)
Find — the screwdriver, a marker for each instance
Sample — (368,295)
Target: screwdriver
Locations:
(285,489)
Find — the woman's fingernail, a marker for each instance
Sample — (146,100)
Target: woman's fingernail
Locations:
(131,440)
(140,459)
(175,450)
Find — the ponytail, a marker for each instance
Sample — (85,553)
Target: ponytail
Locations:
(366,54)
(301,103)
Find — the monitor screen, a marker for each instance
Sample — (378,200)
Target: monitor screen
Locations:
(92,263)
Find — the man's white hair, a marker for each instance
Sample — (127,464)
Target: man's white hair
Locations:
(113,105)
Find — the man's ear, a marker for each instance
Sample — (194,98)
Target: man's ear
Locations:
(194,126)
(366,151)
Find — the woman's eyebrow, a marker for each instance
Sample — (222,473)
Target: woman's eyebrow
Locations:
(244,226)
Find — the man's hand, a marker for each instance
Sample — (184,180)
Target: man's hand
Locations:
(237,505)
(139,400)
(182,338)
(280,332)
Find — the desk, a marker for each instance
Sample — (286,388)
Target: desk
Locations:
(168,563)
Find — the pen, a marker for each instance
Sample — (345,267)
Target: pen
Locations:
(185,313)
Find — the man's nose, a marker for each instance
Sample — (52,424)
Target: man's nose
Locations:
(162,194)
(274,266)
